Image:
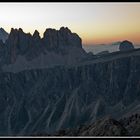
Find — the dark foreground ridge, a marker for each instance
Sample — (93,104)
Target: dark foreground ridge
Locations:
(127,126)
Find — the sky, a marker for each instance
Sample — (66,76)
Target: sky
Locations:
(95,23)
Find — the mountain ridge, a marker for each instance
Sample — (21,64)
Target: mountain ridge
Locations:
(32,50)
(47,88)
(3,35)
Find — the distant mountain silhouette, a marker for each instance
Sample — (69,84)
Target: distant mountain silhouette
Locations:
(126,45)
(116,43)
(26,51)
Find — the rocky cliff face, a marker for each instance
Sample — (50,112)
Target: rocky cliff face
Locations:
(3,35)
(25,51)
(45,85)
(48,100)
(61,40)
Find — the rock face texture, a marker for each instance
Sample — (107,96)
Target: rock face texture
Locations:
(129,125)
(103,127)
(48,100)
(25,51)
(3,35)
(132,123)
(58,40)
(45,86)
(126,45)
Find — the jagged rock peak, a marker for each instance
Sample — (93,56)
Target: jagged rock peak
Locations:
(2,30)
(13,34)
(13,30)
(20,30)
(65,29)
(49,31)
(3,35)
(62,37)
(60,41)
(62,30)
(126,45)
(36,34)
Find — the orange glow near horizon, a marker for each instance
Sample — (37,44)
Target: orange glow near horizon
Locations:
(134,38)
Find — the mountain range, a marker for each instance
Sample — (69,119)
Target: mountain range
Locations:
(25,51)
(3,35)
(51,84)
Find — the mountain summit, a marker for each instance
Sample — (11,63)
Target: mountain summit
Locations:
(3,35)
(57,47)
(126,45)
